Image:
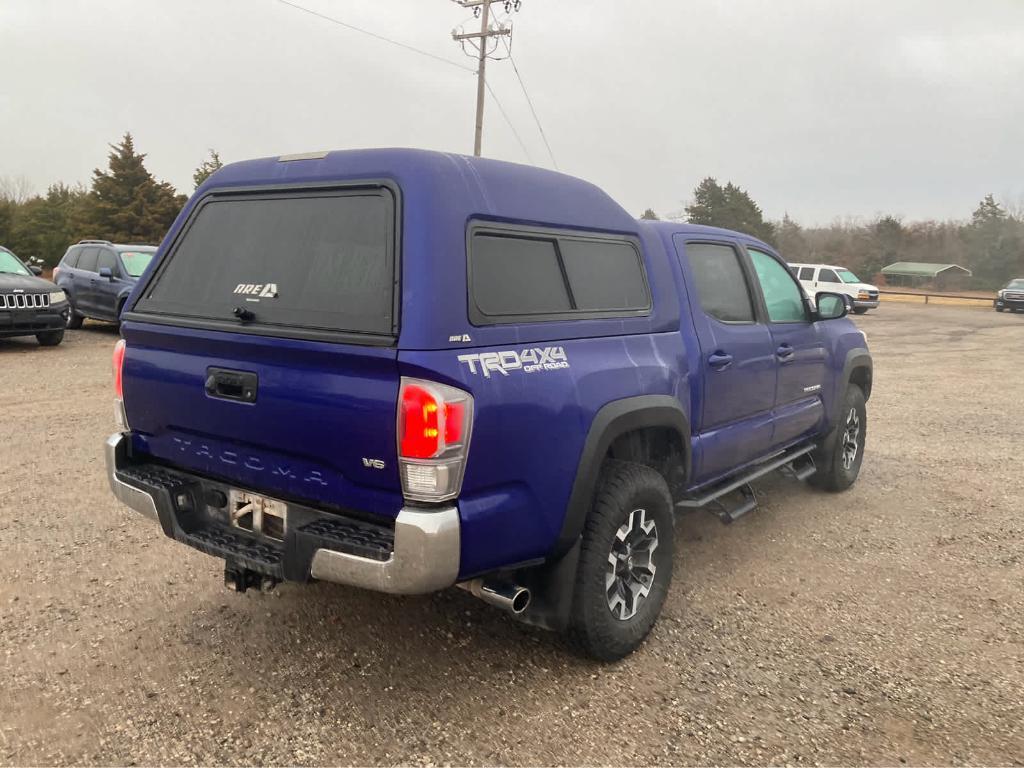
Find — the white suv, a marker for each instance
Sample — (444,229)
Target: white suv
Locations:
(826,277)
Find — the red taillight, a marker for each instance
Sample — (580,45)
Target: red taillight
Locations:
(420,430)
(434,424)
(118,365)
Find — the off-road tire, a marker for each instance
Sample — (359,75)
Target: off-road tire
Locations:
(624,489)
(50,338)
(833,474)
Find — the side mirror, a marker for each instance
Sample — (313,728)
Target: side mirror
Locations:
(830,306)
(106,272)
(37,271)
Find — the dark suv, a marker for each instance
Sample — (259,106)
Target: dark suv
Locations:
(29,305)
(98,275)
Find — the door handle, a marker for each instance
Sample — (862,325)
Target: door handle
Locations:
(231,385)
(785,353)
(719,360)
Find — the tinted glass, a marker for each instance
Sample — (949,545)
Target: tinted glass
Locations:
(782,294)
(9,264)
(87,260)
(71,258)
(806,273)
(135,262)
(827,276)
(517,276)
(604,275)
(106,261)
(319,261)
(721,287)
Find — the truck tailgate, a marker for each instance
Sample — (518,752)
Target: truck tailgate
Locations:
(320,428)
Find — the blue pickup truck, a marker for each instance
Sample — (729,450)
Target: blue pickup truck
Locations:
(405,370)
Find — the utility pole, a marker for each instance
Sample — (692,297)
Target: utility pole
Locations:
(483,7)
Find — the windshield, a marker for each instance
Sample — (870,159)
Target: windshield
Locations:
(9,264)
(135,262)
(847,276)
(1016,284)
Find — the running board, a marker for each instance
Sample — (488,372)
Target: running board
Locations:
(782,460)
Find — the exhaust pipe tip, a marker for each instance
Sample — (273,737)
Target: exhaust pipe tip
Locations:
(509,597)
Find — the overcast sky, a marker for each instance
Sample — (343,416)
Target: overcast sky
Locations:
(819,108)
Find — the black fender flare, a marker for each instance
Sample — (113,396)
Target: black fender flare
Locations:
(613,420)
(858,357)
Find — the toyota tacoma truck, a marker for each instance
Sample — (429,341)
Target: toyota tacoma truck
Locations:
(404,370)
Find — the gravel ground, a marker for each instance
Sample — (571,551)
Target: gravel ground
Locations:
(879,626)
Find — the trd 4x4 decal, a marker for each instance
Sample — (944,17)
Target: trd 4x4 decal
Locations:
(527,361)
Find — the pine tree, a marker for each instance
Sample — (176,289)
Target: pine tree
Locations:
(730,207)
(994,244)
(128,205)
(649,215)
(208,167)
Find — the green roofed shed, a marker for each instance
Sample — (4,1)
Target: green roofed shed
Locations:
(922,272)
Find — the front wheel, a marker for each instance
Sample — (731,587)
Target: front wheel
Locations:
(625,566)
(859,310)
(840,462)
(999,309)
(50,338)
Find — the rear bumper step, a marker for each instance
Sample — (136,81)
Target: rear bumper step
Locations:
(419,554)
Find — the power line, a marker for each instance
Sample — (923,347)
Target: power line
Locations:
(532,110)
(374,35)
(507,120)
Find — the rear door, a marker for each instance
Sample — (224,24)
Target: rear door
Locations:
(738,364)
(799,350)
(84,280)
(261,351)
(105,290)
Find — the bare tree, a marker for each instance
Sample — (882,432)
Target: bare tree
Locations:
(15,189)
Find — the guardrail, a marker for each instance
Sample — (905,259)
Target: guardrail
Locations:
(944,298)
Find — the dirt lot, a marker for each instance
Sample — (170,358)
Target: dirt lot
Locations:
(880,626)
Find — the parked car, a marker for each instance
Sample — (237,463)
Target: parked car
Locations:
(98,276)
(827,277)
(1011,297)
(29,305)
(405,370)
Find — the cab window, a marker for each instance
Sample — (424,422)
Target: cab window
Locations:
(782,296)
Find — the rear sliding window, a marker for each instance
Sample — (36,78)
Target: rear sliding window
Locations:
(322,261)
(531,277)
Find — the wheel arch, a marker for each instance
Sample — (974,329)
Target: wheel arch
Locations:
(616,420)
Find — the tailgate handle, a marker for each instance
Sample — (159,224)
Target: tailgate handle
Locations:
(231,385)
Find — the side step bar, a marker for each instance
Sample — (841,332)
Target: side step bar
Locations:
(801,472)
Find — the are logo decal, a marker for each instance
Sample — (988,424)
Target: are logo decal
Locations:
(532,360)
(262,290)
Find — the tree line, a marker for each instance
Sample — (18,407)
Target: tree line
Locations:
(124,203)
(990,243)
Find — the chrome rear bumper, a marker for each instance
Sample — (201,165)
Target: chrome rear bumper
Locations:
(424,558)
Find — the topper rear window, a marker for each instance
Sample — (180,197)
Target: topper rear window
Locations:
(318,260)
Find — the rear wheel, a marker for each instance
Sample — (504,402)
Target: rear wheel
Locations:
(50,338)
(625,566)
(840,465)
